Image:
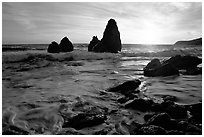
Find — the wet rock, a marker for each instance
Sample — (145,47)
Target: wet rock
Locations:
(184,62)
(53,48)
(192,129)
(82,114)
(66,45)
(162,120)
(83,120)
(156,107)
(123,100)
(175,132)
(111,39)
(155,69)
(13,130)
(193,71)
(182,125)
(166,104)
(134,127)
(126,86)
(169,98)
(148,116)
(196,112)
(127,97)
(138,104)
(151,130)
(93,43)
(69,131)
(104,131)
(177,111)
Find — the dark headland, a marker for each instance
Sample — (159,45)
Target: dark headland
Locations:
(190,42)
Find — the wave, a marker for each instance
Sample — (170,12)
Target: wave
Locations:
(164,53)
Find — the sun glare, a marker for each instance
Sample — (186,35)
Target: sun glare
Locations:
(151,35)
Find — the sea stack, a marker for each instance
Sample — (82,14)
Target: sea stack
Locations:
(111,39)
(93,43)
(66,45)
(53,48)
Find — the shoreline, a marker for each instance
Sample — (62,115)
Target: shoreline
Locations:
(70,89)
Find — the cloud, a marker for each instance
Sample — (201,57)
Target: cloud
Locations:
(80,21)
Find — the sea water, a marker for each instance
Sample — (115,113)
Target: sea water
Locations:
(35,83)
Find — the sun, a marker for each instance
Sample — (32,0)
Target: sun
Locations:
(151,35)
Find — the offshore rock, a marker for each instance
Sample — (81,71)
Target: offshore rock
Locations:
(66,45)
(93,43)
(53,48)
(111,39)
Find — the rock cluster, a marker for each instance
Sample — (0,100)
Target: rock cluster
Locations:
(110,42)
(64,46)
(173,65)
(165,118)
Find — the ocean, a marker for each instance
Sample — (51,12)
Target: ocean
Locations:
(35,84)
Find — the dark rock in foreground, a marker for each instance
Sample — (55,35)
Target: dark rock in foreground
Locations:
(111,39)
(155,68)
(196,112)
(184,62)
(93,43)
(177,111)
(126,86)
(173,65)
(139,104)
(162,120)
(13,130)
(66,45)
(151,130)
(53,48)
(85,120)
(190,42)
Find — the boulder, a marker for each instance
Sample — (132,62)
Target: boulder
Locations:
(148,116)
(161,119)
(196,112)
(83,120)
(177,111)
(66,45)
(155,68)
(175,132)
(139,104)
(93,43)
(151,130)
(126,86)
(184,62)
(193,130)
(182,125)
(111,39)
(193,71)
(13,130)
(53,48)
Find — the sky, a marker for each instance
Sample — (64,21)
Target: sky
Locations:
(138,23)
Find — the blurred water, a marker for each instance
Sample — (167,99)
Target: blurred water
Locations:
(26,95)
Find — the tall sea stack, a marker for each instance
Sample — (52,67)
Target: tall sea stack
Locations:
(111,39)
